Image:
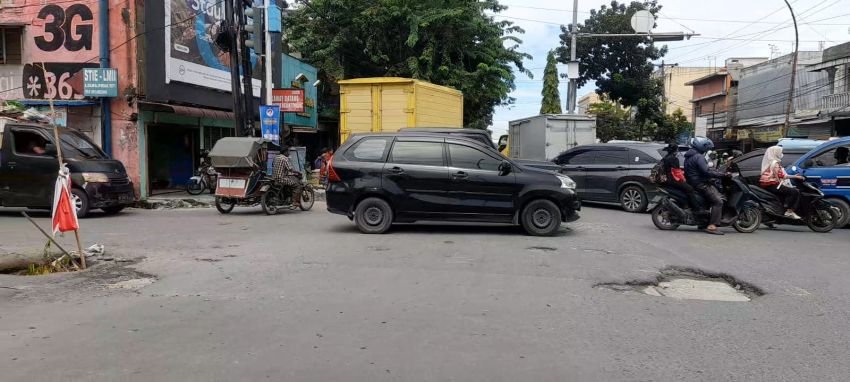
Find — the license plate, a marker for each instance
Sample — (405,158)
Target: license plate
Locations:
(231,183)
(125,198)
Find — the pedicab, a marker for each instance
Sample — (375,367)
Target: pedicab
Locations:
(241,164)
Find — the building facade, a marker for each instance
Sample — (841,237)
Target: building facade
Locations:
(676,91)
(174,83)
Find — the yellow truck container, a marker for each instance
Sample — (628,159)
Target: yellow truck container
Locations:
(391,103)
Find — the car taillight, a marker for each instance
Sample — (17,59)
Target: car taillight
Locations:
(332,175)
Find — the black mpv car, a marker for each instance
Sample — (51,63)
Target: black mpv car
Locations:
(381,179)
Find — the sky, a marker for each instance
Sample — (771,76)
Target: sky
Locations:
(727,28)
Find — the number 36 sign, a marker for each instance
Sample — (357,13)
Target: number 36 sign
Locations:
(56,81)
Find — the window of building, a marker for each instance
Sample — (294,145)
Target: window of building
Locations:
(213,134)
(11,51)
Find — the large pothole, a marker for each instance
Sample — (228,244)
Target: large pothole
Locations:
(689,284)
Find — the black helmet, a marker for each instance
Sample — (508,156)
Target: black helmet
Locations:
(702,144)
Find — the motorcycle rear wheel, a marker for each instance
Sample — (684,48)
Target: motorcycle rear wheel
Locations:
(823,219)
(661,219)
(748,220)
(195,187)
(308,198)
(270,202)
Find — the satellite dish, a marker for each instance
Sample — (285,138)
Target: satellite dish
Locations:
(643,21)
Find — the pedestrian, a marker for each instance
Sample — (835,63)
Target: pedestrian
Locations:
(327,153)
(675,176)
(285,174)
(701,177)
(772,179)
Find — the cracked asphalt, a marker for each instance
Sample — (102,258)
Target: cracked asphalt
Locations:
(304,297)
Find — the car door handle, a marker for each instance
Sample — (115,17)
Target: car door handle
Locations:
(621,168)
(460,175)
(396,170)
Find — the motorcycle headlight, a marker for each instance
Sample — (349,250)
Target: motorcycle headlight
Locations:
(95,177)
(566,182)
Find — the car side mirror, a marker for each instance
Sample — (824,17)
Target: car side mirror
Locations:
(505,168)
(50,150)
(808,163)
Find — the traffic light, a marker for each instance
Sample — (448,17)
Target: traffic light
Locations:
(255,29)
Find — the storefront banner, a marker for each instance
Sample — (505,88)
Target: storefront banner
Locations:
(289,100)
(191,55)
(270,123)
(767,134)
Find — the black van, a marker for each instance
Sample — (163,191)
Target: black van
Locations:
(28,170)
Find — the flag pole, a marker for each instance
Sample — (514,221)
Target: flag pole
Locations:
(59,158)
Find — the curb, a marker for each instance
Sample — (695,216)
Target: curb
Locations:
(179,203)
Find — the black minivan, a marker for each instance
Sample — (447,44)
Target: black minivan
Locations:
(28,170)
(381,179)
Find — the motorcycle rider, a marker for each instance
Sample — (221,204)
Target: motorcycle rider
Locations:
(283,172)
(675,176)
(701,177)
(771,179)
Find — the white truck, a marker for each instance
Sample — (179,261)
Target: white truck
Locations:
(543,137)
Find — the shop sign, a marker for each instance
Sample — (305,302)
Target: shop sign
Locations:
(58,116)
(270,122)
(100,82)
(54,80)
(289,100)
(767,134)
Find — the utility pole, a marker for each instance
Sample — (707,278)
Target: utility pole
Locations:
(247,78)
(231,31)
(787,125)
(573,87)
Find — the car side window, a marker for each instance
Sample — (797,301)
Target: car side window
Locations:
(640,157)
(29,143)
(417,153)
(618,157)
(369,150)
(839,156)
(473,159)
(751,164)
(577,157)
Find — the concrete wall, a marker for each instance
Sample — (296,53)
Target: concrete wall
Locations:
(678,94)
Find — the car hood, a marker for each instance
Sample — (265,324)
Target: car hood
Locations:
(538,165)
(108,166)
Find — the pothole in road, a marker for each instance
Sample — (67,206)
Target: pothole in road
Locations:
(690,284)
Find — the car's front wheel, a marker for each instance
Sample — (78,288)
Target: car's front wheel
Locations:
(373,216)
(633,199)
(541,218)
(842,210)
(81,202)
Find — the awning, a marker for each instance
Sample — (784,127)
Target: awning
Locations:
(62,103)
(188,111)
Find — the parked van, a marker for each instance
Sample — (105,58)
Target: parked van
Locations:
(28,170)
(829,166)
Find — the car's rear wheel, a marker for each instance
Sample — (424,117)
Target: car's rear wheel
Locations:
(81,202)
(633,199)
(373,216)
(843,211)
(541,218)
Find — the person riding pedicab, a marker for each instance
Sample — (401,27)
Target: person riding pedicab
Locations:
(285,174)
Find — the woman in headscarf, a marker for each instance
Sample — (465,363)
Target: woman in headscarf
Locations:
(772,175)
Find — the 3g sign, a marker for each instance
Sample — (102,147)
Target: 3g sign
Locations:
(72,28)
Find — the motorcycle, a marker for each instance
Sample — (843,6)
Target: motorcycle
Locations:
(278,196)
(740,210)
(206,178)
(816,213)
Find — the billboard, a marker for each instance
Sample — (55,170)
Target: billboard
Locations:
(191,55)
(289,100)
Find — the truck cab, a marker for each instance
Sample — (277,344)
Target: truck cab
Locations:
(828,166)
(28,170)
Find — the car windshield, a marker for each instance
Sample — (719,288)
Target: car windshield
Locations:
(75,144)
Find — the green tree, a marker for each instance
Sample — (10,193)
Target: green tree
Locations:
(446,42)
(551,97)
(620,66)
(673,125)
(612,121)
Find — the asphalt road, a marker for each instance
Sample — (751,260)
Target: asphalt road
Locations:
(304,297)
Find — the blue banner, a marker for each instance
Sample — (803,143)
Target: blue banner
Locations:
(270,123)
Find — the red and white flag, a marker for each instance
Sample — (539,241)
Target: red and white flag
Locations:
(64,211)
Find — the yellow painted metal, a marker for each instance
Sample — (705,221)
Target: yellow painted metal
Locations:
(390,103)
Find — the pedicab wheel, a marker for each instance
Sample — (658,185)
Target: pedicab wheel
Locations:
(541,217)
(748,220)
(224,205)
(270,202)
(823,219)
(662,220)
(373,216)
(308,198)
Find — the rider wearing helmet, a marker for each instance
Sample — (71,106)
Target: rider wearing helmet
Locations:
(701,176)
